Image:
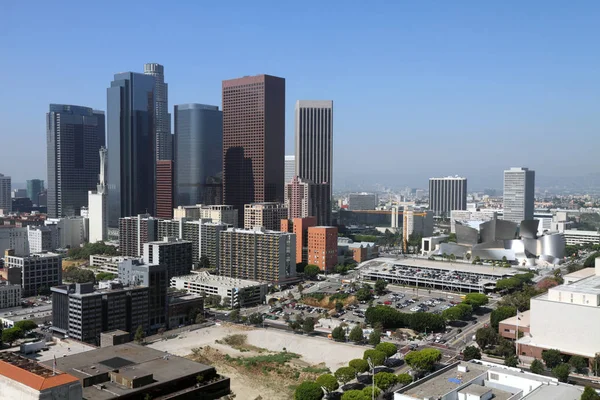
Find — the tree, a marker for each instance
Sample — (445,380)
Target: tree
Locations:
(561,372)
(26,325)
(10,335)
(404,379)
(345,374)
(338,334)
(199,319)
(537,367)
(139,334)
(339,306)
(456,313)
(375,337)
(385,380)
(511,361)
(468,256)
(204,261)
(356,334)
(226,302)
(234,315)
(486,337)
(104,276)
(363,294)
(359,365)
(578,363)
(421,322)
(311,271)
(476,300)
(78,275)
(423,360)
(308,390)
(471,353)
(388,317)
(552,358)
(308,326)
(356,395)
(380,286)
(377,357)
(328,381)
(255,319)
(388,348)
(589,394)
(500,314)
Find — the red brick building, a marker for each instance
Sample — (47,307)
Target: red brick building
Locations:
(299,226)
(322,247)
(164,189)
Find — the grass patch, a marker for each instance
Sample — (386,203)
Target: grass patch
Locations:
(323,300)
(238,342)
(316,370)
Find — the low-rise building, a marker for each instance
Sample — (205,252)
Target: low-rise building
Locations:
(109,264)
(38,272)
(175,254)
(10,295)
(428,244)
(25,379)
(576,237)
(357,251)
(242,292)
(509,327)
(133,371)
(217,213)
(181,306)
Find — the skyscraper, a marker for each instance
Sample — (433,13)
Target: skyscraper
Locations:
(34,188)
(300,198)
(97,205)
(131,146)
(164,189)
(162,125)
(74,135)
(314,149)
(519,194)
(198,154)
(290,168)
(5,196)
(253,140)
(447,194)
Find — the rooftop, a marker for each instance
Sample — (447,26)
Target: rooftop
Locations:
(575,232)
(444,381)
(217,280)
(582,273)
(31,373)
(440,265)
(589,285)
(524,319)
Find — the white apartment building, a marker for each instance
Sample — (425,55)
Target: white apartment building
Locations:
(217,213)
(14,238)
(267,215)
(42,238)
(575,237)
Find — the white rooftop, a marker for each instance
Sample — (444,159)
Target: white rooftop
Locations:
(217,280)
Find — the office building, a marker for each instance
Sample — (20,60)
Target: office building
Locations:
(132,371)
(10,295)
(301,198)
(417,222)
(519,194)
(108,264)
(25,379)
(253,140)
(72,231)
(357,251)
(74,136)
(198,154)
(182,308)
(322,247)
(258,255)
(216,213)
(131,146)
(290,168)
(577,237)
(162,121)
(155,277)
(14,238)
(471,218)
(98,205)
(5,195)
(362,201)
(18,193)
(299,227)
(481,380)
(164,189)
(175,254)
(203,234)
(134,232)
(447,194)
(266,215)
(84,313)
(34,188)
(314,150)
(241,292)
(42,238)
(43,198)
(39,272)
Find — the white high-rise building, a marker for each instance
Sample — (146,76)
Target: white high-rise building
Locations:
(290,168)
(97,205)
(5,196)
(519,194)
(162,124)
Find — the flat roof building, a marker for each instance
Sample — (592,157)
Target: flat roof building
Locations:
(299,227)
(576,237)
(39,272)
(266,215)
(519,194)
(134,232)
(362,201)
(175,254)
(322,247)
(10,295)
(447,194)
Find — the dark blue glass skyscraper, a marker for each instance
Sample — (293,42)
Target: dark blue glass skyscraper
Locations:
(198,154)
(131,146)
(74,135)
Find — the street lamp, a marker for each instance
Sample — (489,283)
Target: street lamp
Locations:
(372,377)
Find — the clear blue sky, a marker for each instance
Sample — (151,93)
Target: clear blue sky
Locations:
(420,88)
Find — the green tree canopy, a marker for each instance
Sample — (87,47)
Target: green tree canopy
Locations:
(78,275)
(537,367)
(500,314)
(404,379)
(139,334)
(355,395)
(88,249)
(308,390)
(338,334)
(26,325)
(359,365)
(345,374)
(486,337)
(476,300)
(11,335)
(311,271)
(375,337)
(328,381)
(356,334)
(388,348)
(589,394)
(423,360)
(377,357)
(552,358)
(255,319)
(578,363)
(385,380)
(363,294)
(511,361)
(471,353)
(104,276)
(308,325)
(458,312)
(561,372)
(380,286)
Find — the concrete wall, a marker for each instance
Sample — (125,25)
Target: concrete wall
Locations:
(11,390)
